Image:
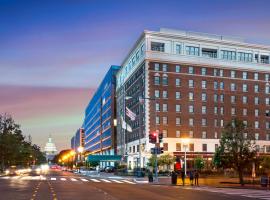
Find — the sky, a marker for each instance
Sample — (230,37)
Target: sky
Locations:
(54,54)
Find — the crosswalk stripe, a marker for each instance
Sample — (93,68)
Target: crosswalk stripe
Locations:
(107,181)
(126,181)
(73,179)
(117,181)
(6,177)
(63,179)
(94,180)
(84,180)
(53,179)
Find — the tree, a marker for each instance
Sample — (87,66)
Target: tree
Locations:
(237,148)
(166,160)
(152,160)
(199,163)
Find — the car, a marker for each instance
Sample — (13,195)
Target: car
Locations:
(11,171)
(109,169)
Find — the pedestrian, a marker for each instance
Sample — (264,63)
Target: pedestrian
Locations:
(196,176)
(183,176)
(191,177)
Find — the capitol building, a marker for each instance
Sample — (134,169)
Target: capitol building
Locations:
(50,149)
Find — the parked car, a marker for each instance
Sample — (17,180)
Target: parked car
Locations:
(109,169)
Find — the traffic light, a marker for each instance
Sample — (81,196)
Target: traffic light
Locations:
(160,137)
(153,137)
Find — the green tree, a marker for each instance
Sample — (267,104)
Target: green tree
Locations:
(152,160)
(237,148)
(199,163)
(166,160)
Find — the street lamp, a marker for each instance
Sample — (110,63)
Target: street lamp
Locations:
(185,145)
(80,150)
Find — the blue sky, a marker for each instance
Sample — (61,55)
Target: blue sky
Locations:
(67,46)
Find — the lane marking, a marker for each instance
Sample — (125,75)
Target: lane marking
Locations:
(73,179)
(117,181)
(107,181)
(63,179)
(53,179)
(83,179)
(126,181)
(94,180)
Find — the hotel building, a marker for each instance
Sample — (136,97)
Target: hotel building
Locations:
(192,85)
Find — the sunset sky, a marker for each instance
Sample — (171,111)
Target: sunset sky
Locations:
(53,54)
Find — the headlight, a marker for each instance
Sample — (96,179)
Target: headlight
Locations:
(7,171)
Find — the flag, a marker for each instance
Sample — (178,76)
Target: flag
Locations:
(130,114)
(125,125)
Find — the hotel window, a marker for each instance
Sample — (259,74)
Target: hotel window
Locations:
(233,99)
(244,75)
(191,109)
(233,74)
(215,110)
(221,85)
(165,146)
(245,122)
(165,67)
(215,72)
(228,55)
(267,101)
(165,107)
(204,147)
(157,46)
(142,49)
(266,77)
(267,89)
(191,96)
(178,146)
(164,80)
(156,93)
(204,135)
(256,100)
(256,112)
(267,125)
(245,135)
(178,133)
(215,122)
(204,97)
(191,122)
(267,136)
(222,110)
(256,136)
(221,72)
(215,98)
(203,71)
(216,135)
(233,87)
(165,133)
(178,49)
(156,67)
(245,88)
(256,76)
(215,85)
(256,124)
(157,107)
(204,122)
(190,83)
(232,111)
(190,50)
(165,94)
(177,82)
(157,120)
(221,123)
(178,108)
(203,109)
(256,88)
(203,84)
(178,121)
(165,120)
(191,147)
(191,135)
(137,56)
(245,57)
(221,98)
(177,68)
(157,80)
(245,112)
(177,95)
(244,99)
(191,70)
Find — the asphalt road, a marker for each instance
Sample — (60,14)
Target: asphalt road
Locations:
(58,185)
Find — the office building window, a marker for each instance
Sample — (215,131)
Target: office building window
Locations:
(256,76)
(156,66)
(178,48)
(245,75)
(215,72)
(245,88)
(165,120)
(178,146)
(221,72)
(245,112)
(156,93)
(157,80)
(190,50)
(178,121)
(203,109)
(204,97)
(204,147)
(233,99)
(177,68)
(228,55)
(244,99)
(178,133)
(191,83)
(191,135)
(178,108)
(256,100)
(266,77)
(232,111)
(256,112)
(245,57)
(164,94)
(203,84)
(233,74)
(203,71)
(204,122)
(178,82)
(165,107)
(191,109)
(164,80)
(191,122)
(267,89)
(177,95)
(157,46)
(215,85)
(233,87)
(191,70)
(157,107)
(157,120)
(256,88)
(256,124)
(221,85)
(165,67)
(191,96)
(267,101)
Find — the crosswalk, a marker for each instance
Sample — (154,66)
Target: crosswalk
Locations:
(69,179)
(251,193)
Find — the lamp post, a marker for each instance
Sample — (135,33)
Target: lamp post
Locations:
(80,150)
(185,145)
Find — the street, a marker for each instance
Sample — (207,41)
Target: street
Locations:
(59,185)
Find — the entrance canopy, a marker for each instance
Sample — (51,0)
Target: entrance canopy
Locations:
(99,158)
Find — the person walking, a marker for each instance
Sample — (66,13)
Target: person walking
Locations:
(196,176)
(191,177)
(183,176)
